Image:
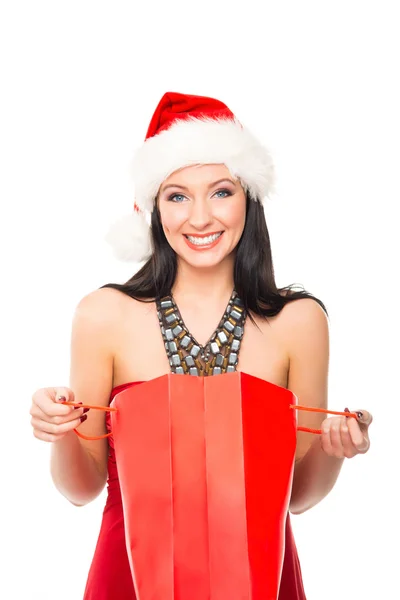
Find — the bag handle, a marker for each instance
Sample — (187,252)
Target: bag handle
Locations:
(105,408)
(347,413)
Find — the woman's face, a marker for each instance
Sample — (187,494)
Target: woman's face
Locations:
(203,211)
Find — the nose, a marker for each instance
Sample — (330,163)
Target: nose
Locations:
(200,215)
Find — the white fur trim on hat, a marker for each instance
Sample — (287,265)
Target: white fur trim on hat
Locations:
(129,238)
(202,141)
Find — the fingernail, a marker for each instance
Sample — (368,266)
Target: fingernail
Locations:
(346,410)
(83,418)
(61,399)
(85,410)
(76,407)
(359,414)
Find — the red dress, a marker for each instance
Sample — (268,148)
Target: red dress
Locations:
(110,576)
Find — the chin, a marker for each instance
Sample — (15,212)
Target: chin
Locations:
(203,263)
(203,260)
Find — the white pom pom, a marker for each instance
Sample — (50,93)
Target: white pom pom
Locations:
(129,238)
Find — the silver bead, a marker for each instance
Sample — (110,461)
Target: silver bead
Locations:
(228,326)
(232,359)
(222,337)
(185,341)
(189,361)
(214,347)
(235,345)
(176,360)
(176,330)
(171,318)
(166,304)
(194,351)
(219,361)
(238,331)
(172,346)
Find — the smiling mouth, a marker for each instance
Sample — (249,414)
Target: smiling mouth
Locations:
(203,240)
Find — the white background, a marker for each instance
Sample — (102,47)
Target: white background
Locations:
(317,82)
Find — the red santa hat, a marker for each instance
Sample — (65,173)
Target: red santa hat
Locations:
(188,130)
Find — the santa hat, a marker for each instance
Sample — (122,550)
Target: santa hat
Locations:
(188,130)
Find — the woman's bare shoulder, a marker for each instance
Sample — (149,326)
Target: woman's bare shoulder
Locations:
(109,303)
(302,318)
(300,310)
(110,316)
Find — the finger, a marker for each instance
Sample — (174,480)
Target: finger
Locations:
(56,429)
(59,393)
(349,450)
(358,437)
(365,417)
(336,439)
(46,409)
(63,393)
(75,413)
(45,399)
(40,416)
(326,437)
(71,413)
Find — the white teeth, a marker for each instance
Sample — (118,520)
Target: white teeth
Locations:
(204,240)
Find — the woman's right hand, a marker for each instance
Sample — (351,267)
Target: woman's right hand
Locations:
(51,421)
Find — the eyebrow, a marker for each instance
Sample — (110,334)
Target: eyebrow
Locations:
(182,187)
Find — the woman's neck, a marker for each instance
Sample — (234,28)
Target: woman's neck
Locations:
(194,284)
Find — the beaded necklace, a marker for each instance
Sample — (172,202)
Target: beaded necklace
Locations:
(186,355)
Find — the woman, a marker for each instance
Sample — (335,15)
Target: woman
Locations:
(200,179)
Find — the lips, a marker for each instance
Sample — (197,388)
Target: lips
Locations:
(202,235)
(203,241)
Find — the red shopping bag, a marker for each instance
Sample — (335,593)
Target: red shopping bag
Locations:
(205,466)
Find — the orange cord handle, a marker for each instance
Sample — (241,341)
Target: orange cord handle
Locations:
(311,409)
(296,406)
(90,437)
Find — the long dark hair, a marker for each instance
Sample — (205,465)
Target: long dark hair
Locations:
(254,278)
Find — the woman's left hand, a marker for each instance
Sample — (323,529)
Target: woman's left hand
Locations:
(344,437)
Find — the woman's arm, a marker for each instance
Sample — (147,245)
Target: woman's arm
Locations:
(74,470)
(314,477)
(79,467)
(307,338)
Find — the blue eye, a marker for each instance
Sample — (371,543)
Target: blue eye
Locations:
(176,196)
(180,197)
(226,192)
